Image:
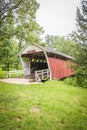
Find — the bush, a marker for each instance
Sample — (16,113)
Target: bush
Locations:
(81,80)
(70,81)
(85,83)
(78,80)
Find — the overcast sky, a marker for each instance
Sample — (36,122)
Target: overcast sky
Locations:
(57,17)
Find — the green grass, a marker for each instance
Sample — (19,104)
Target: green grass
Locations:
(47,106)
(3,74)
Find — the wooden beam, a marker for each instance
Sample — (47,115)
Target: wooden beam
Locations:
(48,65)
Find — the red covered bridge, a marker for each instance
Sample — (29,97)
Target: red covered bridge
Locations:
(40,62)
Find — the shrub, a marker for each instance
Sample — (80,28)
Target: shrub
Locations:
(70,81)
(81,80)
(78,80)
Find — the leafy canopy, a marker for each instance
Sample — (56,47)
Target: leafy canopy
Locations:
(17,21)
(81,37)
(17,18)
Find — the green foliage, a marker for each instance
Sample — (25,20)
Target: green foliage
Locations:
(62,44)
(81,37)
(17,21)
(49,106)
(81,75)
(80,69)
(9,54)
(5,53)
(18,18)
(70,81)
(81,79)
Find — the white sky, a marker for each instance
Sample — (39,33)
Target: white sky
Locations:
(57,17)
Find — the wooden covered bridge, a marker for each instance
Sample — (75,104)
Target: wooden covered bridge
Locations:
(40,62)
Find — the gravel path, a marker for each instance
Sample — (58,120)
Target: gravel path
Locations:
(18,81)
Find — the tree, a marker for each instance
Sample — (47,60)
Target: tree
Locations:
(81,34)
(6,55)
(62,44)
(9,54)
(81,37)
(17,21)
(7,7)
(17,18)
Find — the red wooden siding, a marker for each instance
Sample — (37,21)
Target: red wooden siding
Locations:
(59,68)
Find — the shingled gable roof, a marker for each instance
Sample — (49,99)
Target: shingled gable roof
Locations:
(49,50)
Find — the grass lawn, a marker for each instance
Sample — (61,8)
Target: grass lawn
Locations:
(3,74)
(48,106)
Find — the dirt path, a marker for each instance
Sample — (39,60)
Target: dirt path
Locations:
(18,81)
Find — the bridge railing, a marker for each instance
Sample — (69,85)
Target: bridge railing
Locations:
(41,74)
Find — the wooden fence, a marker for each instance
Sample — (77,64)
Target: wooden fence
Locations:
(42,74)
(16,72)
